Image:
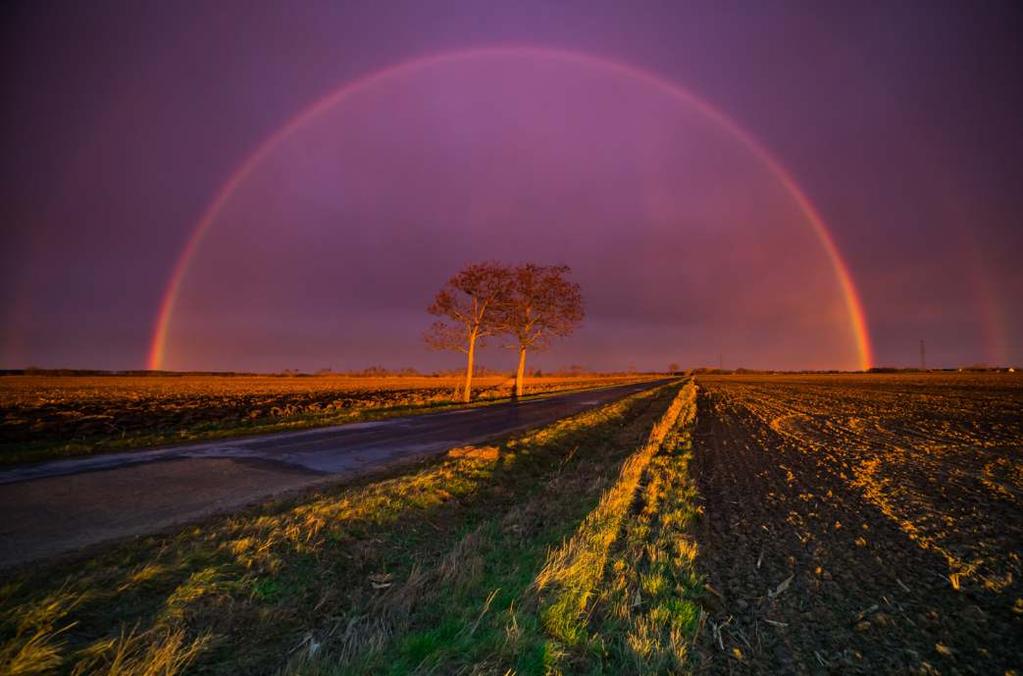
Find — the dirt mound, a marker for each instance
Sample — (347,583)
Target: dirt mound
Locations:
(479,452)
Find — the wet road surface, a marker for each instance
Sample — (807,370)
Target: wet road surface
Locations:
(55,507)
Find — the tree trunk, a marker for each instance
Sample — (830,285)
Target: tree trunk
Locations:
(520,374)
(467,390)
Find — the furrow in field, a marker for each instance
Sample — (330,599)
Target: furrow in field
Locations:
(834,547)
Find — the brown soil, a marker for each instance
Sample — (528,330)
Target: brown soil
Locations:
(852,526)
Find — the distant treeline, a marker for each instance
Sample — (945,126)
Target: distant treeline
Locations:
(974,368)
(483,371)
(877,369)
(36,371)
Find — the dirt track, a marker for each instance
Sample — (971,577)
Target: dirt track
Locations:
(860,529)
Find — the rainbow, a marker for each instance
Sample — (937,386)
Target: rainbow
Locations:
(854,306)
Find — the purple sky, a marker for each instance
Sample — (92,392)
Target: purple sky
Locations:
(902,124)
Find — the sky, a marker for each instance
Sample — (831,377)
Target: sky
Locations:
(265,186)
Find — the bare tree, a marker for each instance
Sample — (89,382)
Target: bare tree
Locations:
(467,305)
(540,304)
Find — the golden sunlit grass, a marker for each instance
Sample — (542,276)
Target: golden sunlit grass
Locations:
(156,652)
(619,593)
(37,626)
(430,566)
(47,416)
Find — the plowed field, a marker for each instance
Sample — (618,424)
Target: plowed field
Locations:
(861,524)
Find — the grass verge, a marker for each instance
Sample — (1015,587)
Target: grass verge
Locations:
(620,595)
(328,582)
(565,599)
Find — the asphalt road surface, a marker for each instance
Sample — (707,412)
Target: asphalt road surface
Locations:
(56,507)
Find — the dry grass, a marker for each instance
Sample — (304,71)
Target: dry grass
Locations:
(330,580)
(157,652)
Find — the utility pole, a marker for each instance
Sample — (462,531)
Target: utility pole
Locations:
(923,356)
(721,362)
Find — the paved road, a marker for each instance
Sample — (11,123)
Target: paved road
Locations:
(59,506)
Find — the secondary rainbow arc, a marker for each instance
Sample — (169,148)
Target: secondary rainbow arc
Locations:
(853,304)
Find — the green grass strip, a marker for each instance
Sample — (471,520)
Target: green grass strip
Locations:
(571,580)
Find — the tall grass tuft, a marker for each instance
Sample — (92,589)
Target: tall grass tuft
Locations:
(36,630)
(157,652)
